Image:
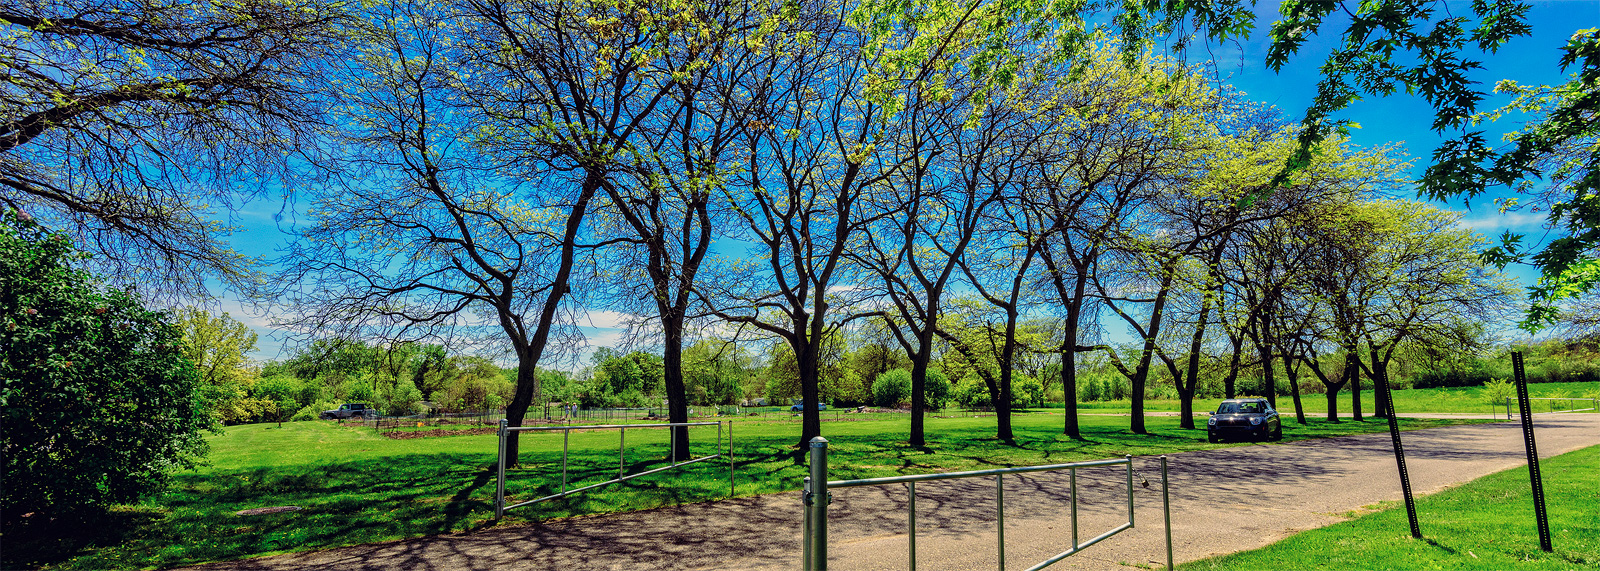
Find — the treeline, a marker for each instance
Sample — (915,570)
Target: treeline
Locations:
(478,190)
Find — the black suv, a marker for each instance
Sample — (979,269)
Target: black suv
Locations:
(1253,418)
(347,411)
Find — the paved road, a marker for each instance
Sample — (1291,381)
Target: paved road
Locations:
(1223,501)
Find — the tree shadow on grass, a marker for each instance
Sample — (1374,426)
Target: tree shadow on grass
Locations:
(342,504)
(35,544)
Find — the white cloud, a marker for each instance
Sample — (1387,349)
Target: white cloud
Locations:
(603,319)
(1493,223)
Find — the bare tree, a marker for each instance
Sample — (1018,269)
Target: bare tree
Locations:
(132,124)
(421,236)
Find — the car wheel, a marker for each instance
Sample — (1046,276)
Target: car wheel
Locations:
(1211,437)
(1277,433)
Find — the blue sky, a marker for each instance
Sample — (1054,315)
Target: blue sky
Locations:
(1401,118)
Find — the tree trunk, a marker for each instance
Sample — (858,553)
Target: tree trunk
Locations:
(1186,385)
(919,385)
(1002,409)
(1331,388)
(677,403)
(527,390)
(1379,376)
(1293,373)
(1233,366)
(810,417)
(1269,384)
(529,353)
(1352,371)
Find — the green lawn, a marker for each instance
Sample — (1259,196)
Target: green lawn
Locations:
(359,487)
(1484,524)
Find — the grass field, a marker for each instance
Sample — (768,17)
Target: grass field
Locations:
(1484,524)
(359,487)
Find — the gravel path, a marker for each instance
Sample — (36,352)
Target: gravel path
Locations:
(1222,501)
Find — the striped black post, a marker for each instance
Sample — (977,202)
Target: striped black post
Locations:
(1399,453)
(1533,452)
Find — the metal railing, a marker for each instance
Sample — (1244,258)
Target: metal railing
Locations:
(505,430)
(817,495)
(1595,405)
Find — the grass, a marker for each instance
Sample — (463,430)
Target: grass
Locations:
(359,487)
(1484,524)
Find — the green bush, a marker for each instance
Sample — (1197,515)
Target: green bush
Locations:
(1496,391)
(311,411)
(971,392)
(98,403)
(892,388)
(937,387)
(1026,391)
(1090,388)
(400,399)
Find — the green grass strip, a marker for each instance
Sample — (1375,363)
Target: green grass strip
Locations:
(1487,523)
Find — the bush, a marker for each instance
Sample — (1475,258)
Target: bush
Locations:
(1496,391)
(400,399)
(1026,391)
(98,403)
(1090,388)
(314,410)
(971,392)
(892,388)
(937,387)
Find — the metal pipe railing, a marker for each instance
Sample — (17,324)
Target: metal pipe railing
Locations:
(504,430)
(816,496)
(1595,406)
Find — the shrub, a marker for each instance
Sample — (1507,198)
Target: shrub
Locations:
(892,388)
(98,403)
(311,411)
(937,388)
(1090,388)
(1026,391)
(971,392)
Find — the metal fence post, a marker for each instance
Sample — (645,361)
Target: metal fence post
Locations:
(500,473)
(1533,452)
(819,504)
(1381,385)
(911,523)
(1073,478)
(1129,458)
(1000,517)
(805,525)
(1166,509)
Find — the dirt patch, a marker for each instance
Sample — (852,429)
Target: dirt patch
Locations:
(410,434)
(271,510)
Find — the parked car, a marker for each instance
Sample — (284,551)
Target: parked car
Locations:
(1252,418)
(355,410)
(797,407)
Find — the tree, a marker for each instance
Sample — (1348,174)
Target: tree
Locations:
(489,253)
(810,169)
(129,123)
(1409,273)
(98,402)
(218,345)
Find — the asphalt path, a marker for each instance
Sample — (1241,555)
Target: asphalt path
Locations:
(1222,501)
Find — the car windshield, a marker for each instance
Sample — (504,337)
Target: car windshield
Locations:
(1242,408)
